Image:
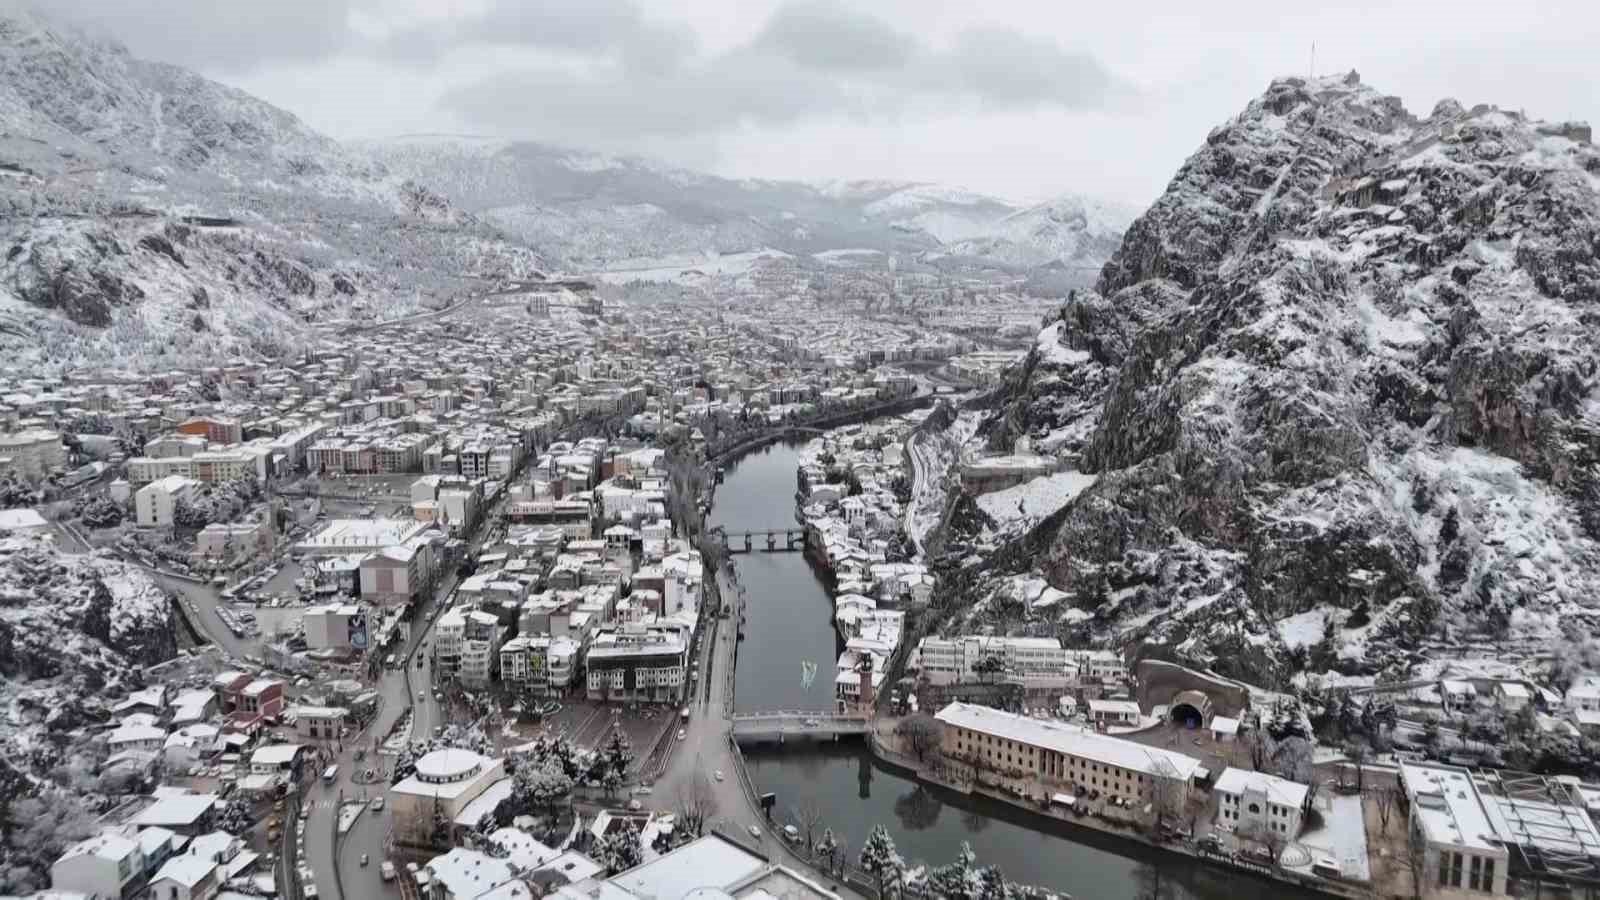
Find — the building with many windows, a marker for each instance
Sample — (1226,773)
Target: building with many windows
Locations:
(638,663)
(1038,662)
(1039,759)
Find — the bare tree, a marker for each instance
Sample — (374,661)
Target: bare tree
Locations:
(921,733)
(1166,791)
(697,804)
(1384,798)
(1358,758)
(808,816)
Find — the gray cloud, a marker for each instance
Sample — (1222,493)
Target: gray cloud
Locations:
(807,62)
(829,37)
(214,34)
(584,27)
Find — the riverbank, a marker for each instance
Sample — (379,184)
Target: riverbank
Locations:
(885,746)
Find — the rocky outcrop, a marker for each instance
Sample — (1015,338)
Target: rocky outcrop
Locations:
(1343,367)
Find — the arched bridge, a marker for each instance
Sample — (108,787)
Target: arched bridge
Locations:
(779,726)
(777,540)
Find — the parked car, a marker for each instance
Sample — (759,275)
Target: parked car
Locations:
(387,870)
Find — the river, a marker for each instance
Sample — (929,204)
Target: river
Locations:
(789,622)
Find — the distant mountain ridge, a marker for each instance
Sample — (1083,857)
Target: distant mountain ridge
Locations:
(597,209)
(150,217)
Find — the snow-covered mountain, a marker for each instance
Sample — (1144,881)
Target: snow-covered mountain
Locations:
(1339,387)
(150,216)
(1078,232)
(597,210)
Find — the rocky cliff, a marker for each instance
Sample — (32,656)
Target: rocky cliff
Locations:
(75,633)
(1339,387)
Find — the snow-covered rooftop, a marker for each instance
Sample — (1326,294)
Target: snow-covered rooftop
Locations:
(1070,740)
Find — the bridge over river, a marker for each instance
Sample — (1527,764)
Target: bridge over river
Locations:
(780,726)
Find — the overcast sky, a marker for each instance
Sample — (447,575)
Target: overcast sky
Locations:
(1017,98)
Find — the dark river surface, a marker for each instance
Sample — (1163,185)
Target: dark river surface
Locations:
(790,622)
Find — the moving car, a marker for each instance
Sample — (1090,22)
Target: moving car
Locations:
(755,832)
(364,859)
(682,733)
(717,774)
(377,803)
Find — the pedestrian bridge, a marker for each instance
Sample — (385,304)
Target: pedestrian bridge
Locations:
(786,725)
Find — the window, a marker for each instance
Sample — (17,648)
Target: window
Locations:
(1255,809)
(1488,875)
(1475,871)
(1455,869)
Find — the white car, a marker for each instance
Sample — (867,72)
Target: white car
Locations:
(377,803)
(422,695)
(682,734)
(755,832)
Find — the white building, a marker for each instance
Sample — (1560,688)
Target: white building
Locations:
(453,778)
(335,627)
(1463,855)
(153,504)
(1118,713)
(33,453)
(1096,665)
(1256,803)
(186,877)
(1034,661)
(104,866)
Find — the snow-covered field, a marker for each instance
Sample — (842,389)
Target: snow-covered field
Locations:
(1035,499)
(686,267)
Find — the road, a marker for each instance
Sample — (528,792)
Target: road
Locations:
(403,688)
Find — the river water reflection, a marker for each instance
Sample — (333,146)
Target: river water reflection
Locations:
(789,622)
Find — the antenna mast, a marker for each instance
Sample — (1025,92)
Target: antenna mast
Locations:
(1312,73)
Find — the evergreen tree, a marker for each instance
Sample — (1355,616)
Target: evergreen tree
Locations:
(881,860)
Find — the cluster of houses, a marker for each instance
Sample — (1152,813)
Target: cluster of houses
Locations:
(852,523)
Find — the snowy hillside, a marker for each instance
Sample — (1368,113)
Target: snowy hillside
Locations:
(150,216)
(1345,366)
(74,633)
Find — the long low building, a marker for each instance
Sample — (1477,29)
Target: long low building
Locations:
(1039,759)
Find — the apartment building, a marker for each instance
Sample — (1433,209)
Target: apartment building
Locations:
(153,504)
(107,865)
(236,540)
(638,663)
(1038,759)
(398,574)
(335,627)
(216,429)
(480,648)
(32,453)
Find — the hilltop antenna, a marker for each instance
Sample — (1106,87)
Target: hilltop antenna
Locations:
(1312,72)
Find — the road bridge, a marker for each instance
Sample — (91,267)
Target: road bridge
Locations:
(787,725)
